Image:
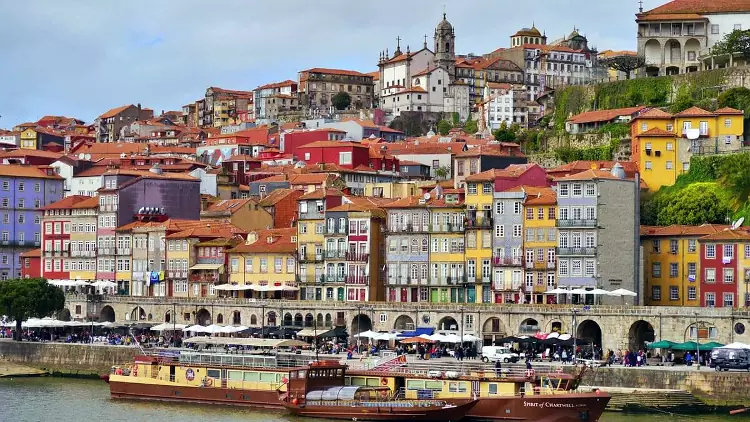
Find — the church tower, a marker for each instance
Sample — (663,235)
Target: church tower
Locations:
(445,47)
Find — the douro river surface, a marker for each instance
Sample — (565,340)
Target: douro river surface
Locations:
(66,400)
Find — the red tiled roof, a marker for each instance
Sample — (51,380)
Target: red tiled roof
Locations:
(681,230)
(375,75)
(281,84)
(270,241)
(146,174)
(277,195)
(115,111)
(603,115)
(590,175)
(342,72)
(414,89)
(211,230)
(228,205)
(505,150)
(321,193)
(700,7)
(670,17)
(613,53)
(512,171)
(34,253)
(415,202)
(728,110)
(657,132)
(25,153)
(310,179)
(16,170)
(740,234)
(694,112)
(66,203)
(544,196)
(654,113)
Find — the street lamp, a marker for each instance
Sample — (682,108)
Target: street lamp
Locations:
(174,318)
(462,309)
(262,319)
(575,335)
(359,311)
(697,345)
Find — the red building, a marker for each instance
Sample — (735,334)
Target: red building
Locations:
(55,251)
(291,141)
(719,278)
(31,264)
(240,167)
(282,205)
(345,154)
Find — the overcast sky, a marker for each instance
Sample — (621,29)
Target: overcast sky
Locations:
(80,58)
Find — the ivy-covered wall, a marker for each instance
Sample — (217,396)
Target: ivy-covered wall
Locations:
(660,91)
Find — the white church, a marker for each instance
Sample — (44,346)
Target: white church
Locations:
(424,80)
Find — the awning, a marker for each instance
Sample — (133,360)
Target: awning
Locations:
(233,287)
(312,332)
(255,342)
(419,331)
(207,267)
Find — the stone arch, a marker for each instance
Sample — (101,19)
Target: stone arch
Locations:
(692,45)
(236,318)
(298,320)
(673,52)
(168,316)
(554,326)
(329,320)
(590,331)
(137,314)
(107,314)
(219,319)
(149,317)
(309,320)
(653,52)
(528,326)
(288,319)
(271,319)
(492,325)
(253,320)
(361,323)
(447,323)
(64,315)
(711,331)
(320,320)
(640,332)
(203,317)
(404,323)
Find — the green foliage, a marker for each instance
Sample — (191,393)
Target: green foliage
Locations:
(505,133)
(734,176)
(341,101)
(456,119)
(444,127)
(696,204)
(616,130)
(738,98)
(443,172)
(568,154)
(21,299)
(737,41)
(633,92)
(568,102)
(470,126)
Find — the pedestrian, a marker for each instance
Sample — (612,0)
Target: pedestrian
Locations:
(498,368)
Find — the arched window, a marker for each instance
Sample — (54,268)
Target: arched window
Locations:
(447,47)
(414,246)
(220,319)
(525,40)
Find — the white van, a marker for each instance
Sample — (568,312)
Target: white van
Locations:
(498,353)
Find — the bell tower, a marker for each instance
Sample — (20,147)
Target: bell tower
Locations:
(445,47)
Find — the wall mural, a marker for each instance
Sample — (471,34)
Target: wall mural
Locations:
(215,156)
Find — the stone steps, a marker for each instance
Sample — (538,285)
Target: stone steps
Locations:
(676,401)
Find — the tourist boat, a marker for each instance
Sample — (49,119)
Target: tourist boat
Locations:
(255,381)
(320,390)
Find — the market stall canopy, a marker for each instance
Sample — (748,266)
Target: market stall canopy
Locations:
(423,338)
(417,332)
(168,326)
(736,346)
(623,292)
(557,291)
(691,346)
(471,338)
(368,334)
(663,344)
(312,332)
(254,342)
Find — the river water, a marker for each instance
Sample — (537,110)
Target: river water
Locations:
(64,400)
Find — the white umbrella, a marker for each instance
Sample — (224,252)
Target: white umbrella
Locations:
(368,334)
(564,337)
(167,326)
(556,291)
(622,292)
(578,292)
(598,292)
(452,338)
(213,329)
(195,329)
(436,337)
(386,336)
(470,338)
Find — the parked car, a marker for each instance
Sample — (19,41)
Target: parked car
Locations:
(498,353)
(726,359)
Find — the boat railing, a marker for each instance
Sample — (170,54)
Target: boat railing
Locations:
(377,403)
(399,394)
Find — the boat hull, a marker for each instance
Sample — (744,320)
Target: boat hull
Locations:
(386,413)
(568,407)
(187,394)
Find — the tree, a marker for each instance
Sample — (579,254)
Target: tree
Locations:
(470,126)
(738,98)
(696,204)
(682,103)
(21,299)
(625,63)
(737,41)
(456,119)
(443,172)
(341,101)
(444,127)
(734,176)
(505,133)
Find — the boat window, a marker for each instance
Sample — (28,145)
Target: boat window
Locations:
(213,373)
(414,384)
(252,376)
(312,374)
(492,388)
(434,385)
(358,381)
(457,387)
(302,374)
(279,377)
(267,377)
(373,382)
(234,375)
(293,375)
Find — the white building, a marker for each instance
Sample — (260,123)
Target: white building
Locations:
(287,87)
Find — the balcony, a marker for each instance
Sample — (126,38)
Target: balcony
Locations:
(479,223)
(576,223)
(304,258)
(177,274)
(357,256)
(335,254)
(82,254)
(447,228)
(362,280)
(123,251)
(408,228)
(576,251)
(106,251)
(702,132)
(333,278)
(506,261)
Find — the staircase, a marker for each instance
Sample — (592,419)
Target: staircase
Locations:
(644,400)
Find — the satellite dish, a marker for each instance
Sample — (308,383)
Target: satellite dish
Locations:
(738,223)
(427,196)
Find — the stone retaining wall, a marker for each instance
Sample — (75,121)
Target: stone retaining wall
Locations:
(68,359)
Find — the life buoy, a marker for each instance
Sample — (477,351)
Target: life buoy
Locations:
(529,373)
(384,394)
(383,381)
(209,382)
(135,370)
(559,370)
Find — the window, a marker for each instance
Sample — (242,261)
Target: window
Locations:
(551,213)
(499,231)
(710,275)
(691,245)
(575,267)
(517,207)
(670,146)
(670,127)
(728,251)
(673,269)
(728,275)
(674,293)
(710,251)
(656,246)
(656,292)
(670,165)
(710,300)
(590,189)
(21,186)
(516,230)
(472,188)
(714,29)
(563,189)
(562,268)
(529,213)
(656,270)
(499,208)
(692,293)
(590,268)
(577,189)
(6,185)
(727,123)
(648,165)
(728,300)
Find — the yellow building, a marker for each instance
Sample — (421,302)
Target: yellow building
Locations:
(671,263)
(480,190)
(180,257)
(266,264)
(83,223)
(447,260)
(28,139)
(658,158)
(392,189)
(539,242)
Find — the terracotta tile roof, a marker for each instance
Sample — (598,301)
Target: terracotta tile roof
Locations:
(544,196)
(25,153)
(682,230)
(414,202)
(728,110)
(410,163)
(414,89)
(342,72)
(171,225)
(146,174)
(92,172)
(310,179)
(426,71)
(581,165)
(274,178)
(506,150)
(333,144)
(276,196)
(654,113)
(24,171)
(270,241)
(695,112)
(590,175)
(34,253)
(658,132)
(512,171)
(228,205)
(209,230)
(603,115)
(115,111)
(612,53)
(321,193)
(701,7)
(281,84)
(66,203)
(375,75)
(91,202)
(670,17)
(242,157)
(740,234)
